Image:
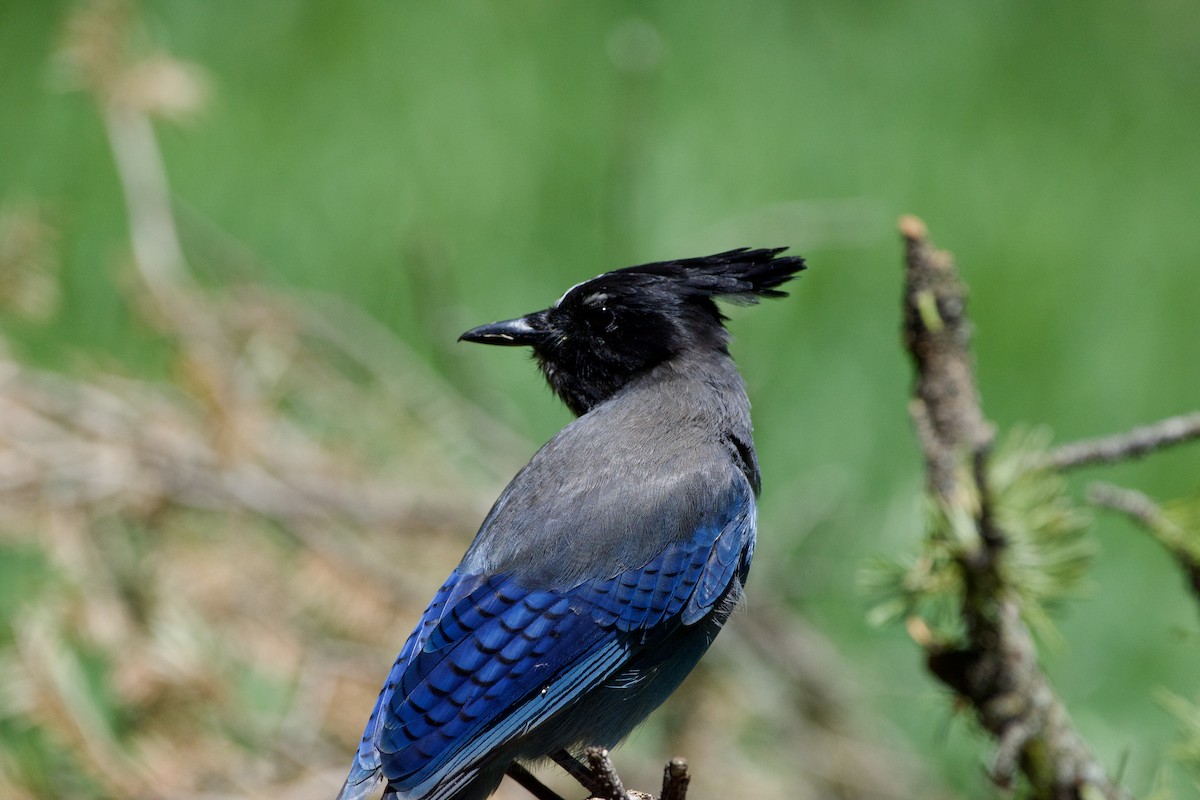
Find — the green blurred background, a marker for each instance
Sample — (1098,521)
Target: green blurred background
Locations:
(445,164)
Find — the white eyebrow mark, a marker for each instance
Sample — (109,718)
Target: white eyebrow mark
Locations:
(558,302)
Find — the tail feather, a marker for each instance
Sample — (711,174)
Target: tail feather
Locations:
(477,785)
(361,785)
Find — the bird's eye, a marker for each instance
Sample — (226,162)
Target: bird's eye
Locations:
(603,319)
(599,316)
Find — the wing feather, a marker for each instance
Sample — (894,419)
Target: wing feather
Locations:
(491,659)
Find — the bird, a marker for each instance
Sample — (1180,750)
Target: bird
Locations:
(607,566)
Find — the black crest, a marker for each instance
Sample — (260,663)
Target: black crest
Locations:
(606,331)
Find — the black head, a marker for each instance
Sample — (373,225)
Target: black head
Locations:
(604,332)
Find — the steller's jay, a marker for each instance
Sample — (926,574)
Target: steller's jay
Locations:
(608,565)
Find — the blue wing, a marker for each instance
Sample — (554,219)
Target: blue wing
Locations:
(491,659)
(365,772)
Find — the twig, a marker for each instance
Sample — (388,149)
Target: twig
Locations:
(602,782)
(605,774)
(675,780)
(530,783)
(1147,513)
(1130,502)
(578,771)
(995,669)
(1125,446)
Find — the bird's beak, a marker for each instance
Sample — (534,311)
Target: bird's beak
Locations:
(511,332)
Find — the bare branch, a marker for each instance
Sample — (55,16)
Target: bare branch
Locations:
(531,784)
(578,771)
(605,774)
(1148,514)
(602,782)
(1130,502)
(937,333)
(675,779)
(995,669)
(1125,446)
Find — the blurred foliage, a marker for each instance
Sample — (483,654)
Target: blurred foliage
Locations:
(1047,554)
(1181,532)
(440,165)
(1188,716)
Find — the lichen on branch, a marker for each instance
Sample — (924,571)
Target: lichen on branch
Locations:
(991,662)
